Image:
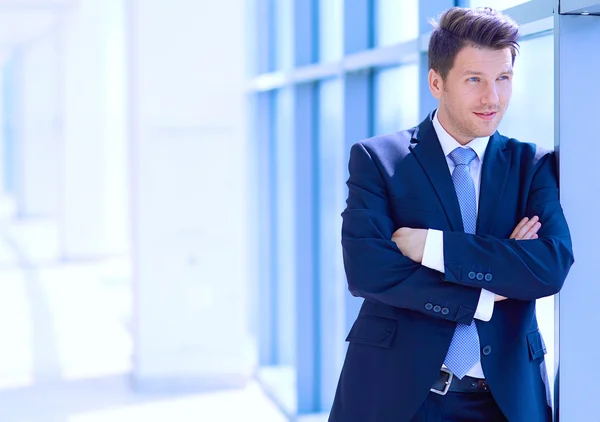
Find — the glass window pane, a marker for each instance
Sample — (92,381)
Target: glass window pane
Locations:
(283,193)
(331,164)
(497,4)
(279,379)
(282,38)
(330,30)
(395,21)
(533,94)
(530,118)
(396,98)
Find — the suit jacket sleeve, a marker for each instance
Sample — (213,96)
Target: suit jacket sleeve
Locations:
(375,268)
(517,269)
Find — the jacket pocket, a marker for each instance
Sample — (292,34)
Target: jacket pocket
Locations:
(373,331)
(537,347)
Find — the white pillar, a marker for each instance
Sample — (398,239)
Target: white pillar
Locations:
(94,202)
(38,178)
(188,193)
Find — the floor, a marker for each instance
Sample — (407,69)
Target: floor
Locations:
(65,350)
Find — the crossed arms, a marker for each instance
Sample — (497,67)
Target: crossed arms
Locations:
(531,264)
(412,242)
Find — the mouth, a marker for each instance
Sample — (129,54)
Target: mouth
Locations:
(487,116)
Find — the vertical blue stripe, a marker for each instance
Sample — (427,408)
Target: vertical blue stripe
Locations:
(264,233)
(308,314)
(331,198)
(10,112)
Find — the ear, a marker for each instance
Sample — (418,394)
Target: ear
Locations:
(436,84)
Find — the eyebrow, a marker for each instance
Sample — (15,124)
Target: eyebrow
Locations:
(476,73)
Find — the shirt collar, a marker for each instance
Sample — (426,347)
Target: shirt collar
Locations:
(449,144)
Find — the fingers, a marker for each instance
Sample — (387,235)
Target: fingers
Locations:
(532,232)
(402,231)
(526,228)
(519,227)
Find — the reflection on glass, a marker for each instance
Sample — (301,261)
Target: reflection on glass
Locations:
(330,30)
(497,4)
(396,92)
(395,21)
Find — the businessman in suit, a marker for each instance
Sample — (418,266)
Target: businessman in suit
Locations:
(450,234)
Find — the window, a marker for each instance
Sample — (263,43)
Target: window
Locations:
(331,164)
(330,30)
(396,96)
(282,39)
(497,4)
(395,21)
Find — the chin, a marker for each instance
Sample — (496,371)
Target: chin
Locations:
(486,130)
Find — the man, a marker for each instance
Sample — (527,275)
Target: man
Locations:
(450,234)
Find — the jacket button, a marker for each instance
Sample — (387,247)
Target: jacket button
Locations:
(488,277)
(479,276)
(445,311)
(487,350)
(429,306)
(472,275)
(437,308)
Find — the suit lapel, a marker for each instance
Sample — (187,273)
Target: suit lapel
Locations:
(496,166)
(428,151)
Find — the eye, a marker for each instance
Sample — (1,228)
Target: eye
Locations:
(473,79)
(504,78)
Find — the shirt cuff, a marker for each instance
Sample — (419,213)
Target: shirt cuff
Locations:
(485,307)
(433,254)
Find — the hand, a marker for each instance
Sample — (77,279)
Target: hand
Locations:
(411,242)
(527,229)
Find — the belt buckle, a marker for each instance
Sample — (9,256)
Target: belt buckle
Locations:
(447,382)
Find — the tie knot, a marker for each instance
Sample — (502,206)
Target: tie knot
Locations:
(462,156)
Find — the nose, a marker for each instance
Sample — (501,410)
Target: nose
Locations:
(490,95)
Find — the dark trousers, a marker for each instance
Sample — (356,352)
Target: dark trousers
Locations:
(459,407)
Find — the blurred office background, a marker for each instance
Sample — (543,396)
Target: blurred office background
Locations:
(171,181)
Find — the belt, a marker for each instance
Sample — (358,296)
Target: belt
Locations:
(447,382)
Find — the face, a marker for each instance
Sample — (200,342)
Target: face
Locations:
(475,94)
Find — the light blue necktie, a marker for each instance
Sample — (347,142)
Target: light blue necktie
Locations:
(464,353)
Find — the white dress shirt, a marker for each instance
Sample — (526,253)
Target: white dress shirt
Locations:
(433,255)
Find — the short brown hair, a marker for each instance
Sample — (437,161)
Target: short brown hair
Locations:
(482,27)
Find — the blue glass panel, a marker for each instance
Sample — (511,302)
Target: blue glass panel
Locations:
(395,21)
(530,115)
(10,106)
(283,250)
(496,4)
(282,38)
(396,96)
(331,202)
(330,30)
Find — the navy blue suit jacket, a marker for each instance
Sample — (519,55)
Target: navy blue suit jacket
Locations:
(400,338)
